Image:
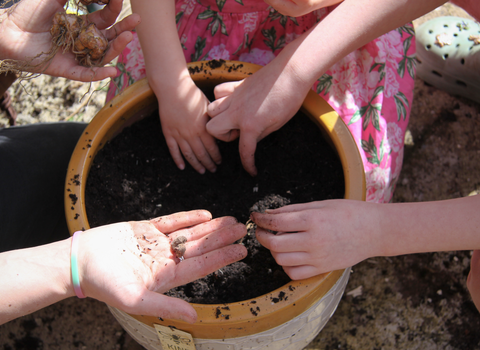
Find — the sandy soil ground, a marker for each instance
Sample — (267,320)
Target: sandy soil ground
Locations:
(409,302)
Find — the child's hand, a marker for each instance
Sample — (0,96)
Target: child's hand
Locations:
(184,117)
(255,107)
(319,237)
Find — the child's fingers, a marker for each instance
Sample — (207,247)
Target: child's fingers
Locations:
(225,89)
(190,157)
(222,127)
(247,147)
(301,272)
(202,155)
(174,149)
(296,207)
(291,259)
(212,148)
(283,242)
(215,240)
(283,222)
(218,106)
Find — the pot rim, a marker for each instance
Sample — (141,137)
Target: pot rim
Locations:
(216,321)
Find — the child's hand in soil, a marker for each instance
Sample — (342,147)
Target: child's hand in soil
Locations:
(128,265)
(254,108)
(183,114)
(25,33)
(318,237)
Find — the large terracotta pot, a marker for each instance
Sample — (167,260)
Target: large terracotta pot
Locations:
(306,305)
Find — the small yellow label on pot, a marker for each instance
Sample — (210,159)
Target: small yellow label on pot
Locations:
(174,339)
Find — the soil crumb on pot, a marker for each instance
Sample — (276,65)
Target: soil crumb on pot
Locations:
(134,178)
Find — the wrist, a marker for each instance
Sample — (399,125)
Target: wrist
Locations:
(75,273)
(382,242)
(66,268)
(171,87)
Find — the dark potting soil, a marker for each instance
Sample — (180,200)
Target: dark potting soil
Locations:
(134,178)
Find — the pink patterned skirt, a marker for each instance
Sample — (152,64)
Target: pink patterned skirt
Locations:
(371,88)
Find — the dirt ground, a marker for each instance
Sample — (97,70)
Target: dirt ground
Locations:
(409,302)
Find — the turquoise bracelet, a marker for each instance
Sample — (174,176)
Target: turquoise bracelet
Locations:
(74,265)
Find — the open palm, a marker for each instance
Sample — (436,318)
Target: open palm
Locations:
(128,265)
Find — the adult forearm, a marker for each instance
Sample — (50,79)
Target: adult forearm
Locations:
(34,278)
(448,225)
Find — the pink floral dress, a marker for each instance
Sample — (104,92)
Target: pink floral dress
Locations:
(371,88)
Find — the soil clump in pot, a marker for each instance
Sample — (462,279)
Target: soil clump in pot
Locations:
(134,178)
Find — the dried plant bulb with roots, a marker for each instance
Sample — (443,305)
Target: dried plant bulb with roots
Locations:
(70,32)
(74,33)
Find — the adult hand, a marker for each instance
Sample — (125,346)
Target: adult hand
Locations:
(254,108)
(128,265)
(183,113)
(25,33)
(319,237)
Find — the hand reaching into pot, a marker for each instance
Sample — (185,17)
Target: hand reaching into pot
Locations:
(319,237)
(255,107)
(25,34)
(126,265)
(183,115)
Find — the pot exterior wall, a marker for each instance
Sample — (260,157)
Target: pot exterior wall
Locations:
(292,335)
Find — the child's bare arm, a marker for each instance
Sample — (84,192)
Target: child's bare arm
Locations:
(182,106)
(323,236)
(282,85)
